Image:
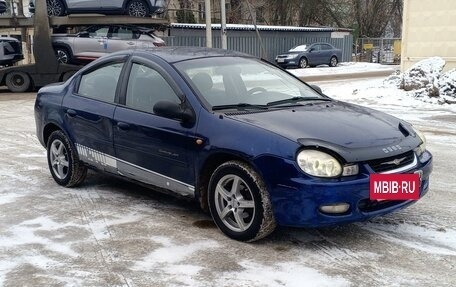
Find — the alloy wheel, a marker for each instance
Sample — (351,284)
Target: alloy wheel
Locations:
(54,8)
(59,159)
(137,9)
(234,203)
(62,57)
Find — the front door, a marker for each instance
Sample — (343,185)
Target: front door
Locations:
(150,148)
(92,44)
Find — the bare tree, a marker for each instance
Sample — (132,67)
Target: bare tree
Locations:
(373,16)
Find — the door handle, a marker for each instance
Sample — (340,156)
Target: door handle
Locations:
(123,126)
(71,113)
(130,43)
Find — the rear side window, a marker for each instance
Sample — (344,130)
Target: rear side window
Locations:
(101,83)
(326,47)
(146,87)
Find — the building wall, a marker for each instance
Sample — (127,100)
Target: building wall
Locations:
(429,29)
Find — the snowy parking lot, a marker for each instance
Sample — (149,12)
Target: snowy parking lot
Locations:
(113,233)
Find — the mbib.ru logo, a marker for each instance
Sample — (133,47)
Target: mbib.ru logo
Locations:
(394,186)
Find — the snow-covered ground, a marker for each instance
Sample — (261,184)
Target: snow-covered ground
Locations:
(112,233)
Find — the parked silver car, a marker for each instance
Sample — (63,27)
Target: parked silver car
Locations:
(137,8)
(99,40)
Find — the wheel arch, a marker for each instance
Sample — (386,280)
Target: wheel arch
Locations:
(206,170)
(48,129)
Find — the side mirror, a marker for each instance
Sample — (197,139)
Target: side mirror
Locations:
(172,110)
(311,50)
(317,88)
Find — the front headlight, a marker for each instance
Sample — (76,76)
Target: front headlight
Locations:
(319,164)
(422,147)
(291,56)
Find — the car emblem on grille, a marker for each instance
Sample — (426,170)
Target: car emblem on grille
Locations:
(396,161)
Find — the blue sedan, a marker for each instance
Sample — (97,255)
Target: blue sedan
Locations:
(303,56)
(251,143)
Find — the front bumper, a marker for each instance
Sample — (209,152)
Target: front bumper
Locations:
(297,202)
(286,63)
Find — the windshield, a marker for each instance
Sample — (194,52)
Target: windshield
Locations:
(223,81)
(300,48)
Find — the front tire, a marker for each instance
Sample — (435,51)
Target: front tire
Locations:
(18,82)
(333,62)
(63,160)
(303,63)
(239,202)
(55,8)
(63,55)
(138,8)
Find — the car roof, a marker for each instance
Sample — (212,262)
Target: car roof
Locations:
(177,54)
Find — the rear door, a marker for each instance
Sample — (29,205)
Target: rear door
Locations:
(89,112)
(326,53)
(150,148)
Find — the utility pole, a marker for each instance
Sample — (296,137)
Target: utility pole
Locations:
(223,20)
(207,13)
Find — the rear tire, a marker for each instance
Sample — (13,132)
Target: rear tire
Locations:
(239,202)
(138,8)
(18,82)
(55,8)
(63,161)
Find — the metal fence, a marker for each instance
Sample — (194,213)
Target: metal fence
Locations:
(378,50)
(272,45)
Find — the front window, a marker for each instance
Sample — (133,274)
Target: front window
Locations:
(146,87)
(244,81)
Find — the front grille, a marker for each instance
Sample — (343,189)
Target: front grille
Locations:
(393,162)
(367,205)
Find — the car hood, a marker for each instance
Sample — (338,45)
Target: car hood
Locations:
(355,133)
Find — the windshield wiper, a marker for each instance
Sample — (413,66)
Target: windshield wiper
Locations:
(239,106)
(297,99)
